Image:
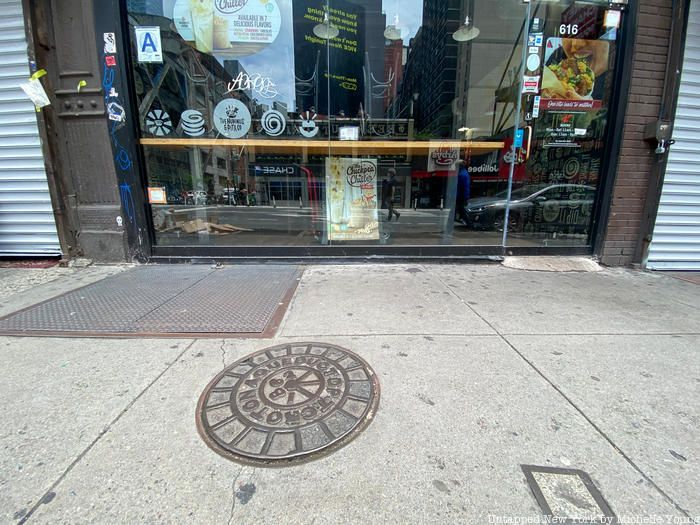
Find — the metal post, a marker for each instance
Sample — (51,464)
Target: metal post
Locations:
(516,124)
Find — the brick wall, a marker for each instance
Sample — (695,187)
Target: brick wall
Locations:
(636,157)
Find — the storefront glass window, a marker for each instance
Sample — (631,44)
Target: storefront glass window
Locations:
(558,181)
(372,122)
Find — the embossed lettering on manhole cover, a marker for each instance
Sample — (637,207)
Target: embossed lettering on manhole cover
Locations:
(288,403)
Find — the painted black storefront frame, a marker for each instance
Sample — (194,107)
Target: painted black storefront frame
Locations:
(113,17)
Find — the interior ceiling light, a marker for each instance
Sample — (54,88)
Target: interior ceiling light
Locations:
(392,32)
(325,29)
(466,32)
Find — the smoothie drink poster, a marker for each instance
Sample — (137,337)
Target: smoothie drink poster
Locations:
(221,25)
(351,199)
(252,38)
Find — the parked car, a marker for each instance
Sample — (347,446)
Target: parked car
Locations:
(537,207)
(197,198)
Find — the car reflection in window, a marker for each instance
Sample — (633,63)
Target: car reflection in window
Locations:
(553,204)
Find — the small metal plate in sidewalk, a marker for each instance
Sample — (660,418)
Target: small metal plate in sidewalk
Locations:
(567,495)
(288,404)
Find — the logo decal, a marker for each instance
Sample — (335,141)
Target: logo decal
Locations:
(273,122)
(192,123)
(158,122)
(232,118)
(308,126)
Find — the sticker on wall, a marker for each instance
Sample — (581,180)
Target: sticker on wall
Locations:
(110,43)
(110,60)
(535,39)
(531,84)
(533,62)
(536,107)
(308,127)
(519,136)
(158,122)
(116,112)
(148,45)
(273,123)
(192,123)
(232,118)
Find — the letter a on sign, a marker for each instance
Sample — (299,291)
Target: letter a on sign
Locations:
(148,44)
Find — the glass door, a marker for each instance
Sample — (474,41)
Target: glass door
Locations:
(423,98)
(570,64)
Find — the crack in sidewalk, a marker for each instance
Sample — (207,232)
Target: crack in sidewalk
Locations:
(236,494)
(579,410)
(50,492)
(223,354)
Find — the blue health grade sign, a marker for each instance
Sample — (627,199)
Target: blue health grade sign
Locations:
(148,45)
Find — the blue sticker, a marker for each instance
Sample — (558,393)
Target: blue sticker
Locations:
(519,135)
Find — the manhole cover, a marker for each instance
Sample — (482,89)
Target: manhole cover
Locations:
(289,403)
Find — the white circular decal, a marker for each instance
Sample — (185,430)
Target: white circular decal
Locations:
(308,127)
(232,118)
(192,123)
(158,122)
(273,122)
(533,62)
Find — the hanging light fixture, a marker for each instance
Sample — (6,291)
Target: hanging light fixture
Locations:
(325,29)
(392,32)
(466,32)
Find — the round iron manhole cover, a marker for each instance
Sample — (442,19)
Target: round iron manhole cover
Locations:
(289,403)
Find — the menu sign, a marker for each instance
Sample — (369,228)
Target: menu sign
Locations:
(351,199)
(565,129)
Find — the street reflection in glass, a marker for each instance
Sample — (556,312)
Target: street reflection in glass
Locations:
(370,122)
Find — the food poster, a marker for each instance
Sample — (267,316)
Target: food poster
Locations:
(573,78)
(351,199)
(252,39)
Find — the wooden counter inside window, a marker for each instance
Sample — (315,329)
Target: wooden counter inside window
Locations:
(370,147)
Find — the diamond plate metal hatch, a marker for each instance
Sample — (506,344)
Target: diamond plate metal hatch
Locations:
(156,300)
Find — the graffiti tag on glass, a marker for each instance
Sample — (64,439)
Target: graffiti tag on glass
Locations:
(263,86)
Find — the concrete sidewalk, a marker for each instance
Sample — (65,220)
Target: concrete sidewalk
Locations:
(482,369)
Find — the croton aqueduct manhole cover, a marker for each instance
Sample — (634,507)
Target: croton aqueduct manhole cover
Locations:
(289,403)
